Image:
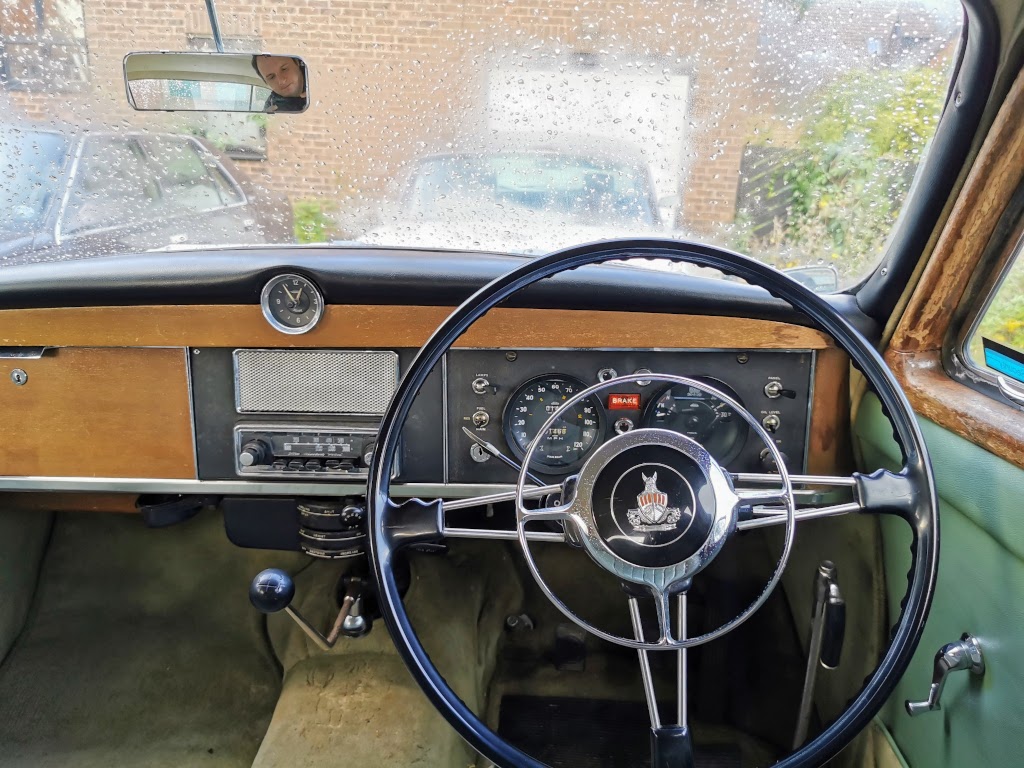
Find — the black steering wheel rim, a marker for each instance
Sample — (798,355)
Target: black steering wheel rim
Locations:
(924,521)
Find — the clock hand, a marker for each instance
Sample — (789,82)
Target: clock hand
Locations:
(288,293)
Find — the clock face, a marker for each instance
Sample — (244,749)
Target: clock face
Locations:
(292,303)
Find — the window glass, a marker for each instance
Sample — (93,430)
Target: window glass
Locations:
(30,163)
(112,187)
(238,136)
(570,187)
(789,130)
(996,345)
(188,181)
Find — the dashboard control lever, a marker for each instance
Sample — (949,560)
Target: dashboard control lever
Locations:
(273,590)
(500,456)
(952,657)
(774,389)
(828,625)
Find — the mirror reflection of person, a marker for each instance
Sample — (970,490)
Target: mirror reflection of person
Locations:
(286,79)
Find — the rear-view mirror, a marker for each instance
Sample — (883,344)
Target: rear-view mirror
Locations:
(216,82)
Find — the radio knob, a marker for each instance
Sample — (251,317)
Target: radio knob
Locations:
(368,449)
(253,452)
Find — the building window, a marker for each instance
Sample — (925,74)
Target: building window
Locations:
(42,48)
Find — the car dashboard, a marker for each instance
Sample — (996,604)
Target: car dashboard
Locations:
(149,400)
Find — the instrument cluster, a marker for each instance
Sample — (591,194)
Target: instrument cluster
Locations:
(503,398)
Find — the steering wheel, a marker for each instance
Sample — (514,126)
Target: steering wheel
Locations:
(659,539)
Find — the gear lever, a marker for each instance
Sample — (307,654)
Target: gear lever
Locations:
(272,590)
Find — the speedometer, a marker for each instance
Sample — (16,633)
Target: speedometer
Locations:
(698,414)
(569,439)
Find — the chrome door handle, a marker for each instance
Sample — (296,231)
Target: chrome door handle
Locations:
(1012,392)
(952,657)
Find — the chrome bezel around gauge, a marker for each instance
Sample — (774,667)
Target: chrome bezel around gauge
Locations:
(315,295)
(517,449)
(722,454)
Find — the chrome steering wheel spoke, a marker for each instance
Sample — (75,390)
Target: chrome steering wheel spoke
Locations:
(655,536)
(881,492)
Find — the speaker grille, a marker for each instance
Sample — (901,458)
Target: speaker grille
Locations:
(314,381)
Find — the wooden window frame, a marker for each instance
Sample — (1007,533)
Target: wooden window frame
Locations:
(964,268)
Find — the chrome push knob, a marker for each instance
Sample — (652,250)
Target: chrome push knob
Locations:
(952,657)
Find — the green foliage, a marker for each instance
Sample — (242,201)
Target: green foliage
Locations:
(313,221)
(855,163)
(1004,319)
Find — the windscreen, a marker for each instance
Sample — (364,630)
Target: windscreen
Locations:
(789,130)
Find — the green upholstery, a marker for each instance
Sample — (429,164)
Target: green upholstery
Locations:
(980,590)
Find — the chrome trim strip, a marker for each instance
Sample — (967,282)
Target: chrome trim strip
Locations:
(235,487)
(23,353)
(192,406)
(444,414)
(807,416)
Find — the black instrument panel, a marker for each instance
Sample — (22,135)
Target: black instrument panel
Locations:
(505,396)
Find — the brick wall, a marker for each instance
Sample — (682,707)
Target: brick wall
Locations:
(391,79)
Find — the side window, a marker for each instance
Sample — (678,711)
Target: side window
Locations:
(995,344)
(190,179)
(113,186)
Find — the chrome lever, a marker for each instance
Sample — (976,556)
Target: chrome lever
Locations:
(1012,392)
(952,657)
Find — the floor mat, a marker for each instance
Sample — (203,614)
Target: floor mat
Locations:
(580,733)
(141,651)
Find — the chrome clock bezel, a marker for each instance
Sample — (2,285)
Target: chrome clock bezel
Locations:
(277,324)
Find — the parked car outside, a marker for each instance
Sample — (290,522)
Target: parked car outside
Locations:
(523,193)
(86,193)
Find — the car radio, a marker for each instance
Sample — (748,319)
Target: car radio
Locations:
(278,451)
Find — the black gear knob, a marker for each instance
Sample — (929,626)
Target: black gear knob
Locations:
(271,591)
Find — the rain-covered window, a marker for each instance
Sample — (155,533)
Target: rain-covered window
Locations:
(787,129)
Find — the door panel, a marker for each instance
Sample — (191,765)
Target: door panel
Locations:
(980,590)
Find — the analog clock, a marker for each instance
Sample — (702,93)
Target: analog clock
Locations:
(292,303)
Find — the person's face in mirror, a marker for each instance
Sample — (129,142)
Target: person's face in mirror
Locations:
(283,75)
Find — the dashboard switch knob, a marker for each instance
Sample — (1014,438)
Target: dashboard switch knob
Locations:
(480,385)
(771,422)
(768,461)
(481,419)
(253,452)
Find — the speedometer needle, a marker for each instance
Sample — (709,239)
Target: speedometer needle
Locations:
(499,455)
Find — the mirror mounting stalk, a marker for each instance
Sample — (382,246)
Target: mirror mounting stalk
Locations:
(211,10)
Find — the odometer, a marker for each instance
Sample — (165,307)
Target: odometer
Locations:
(569,439)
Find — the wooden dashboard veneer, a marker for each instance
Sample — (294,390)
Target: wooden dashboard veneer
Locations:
(110,398)
(97,413)
(385,326)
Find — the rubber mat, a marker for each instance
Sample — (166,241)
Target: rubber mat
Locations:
(591,733)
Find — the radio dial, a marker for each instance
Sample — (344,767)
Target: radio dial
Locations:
(368,450)
(253,452)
